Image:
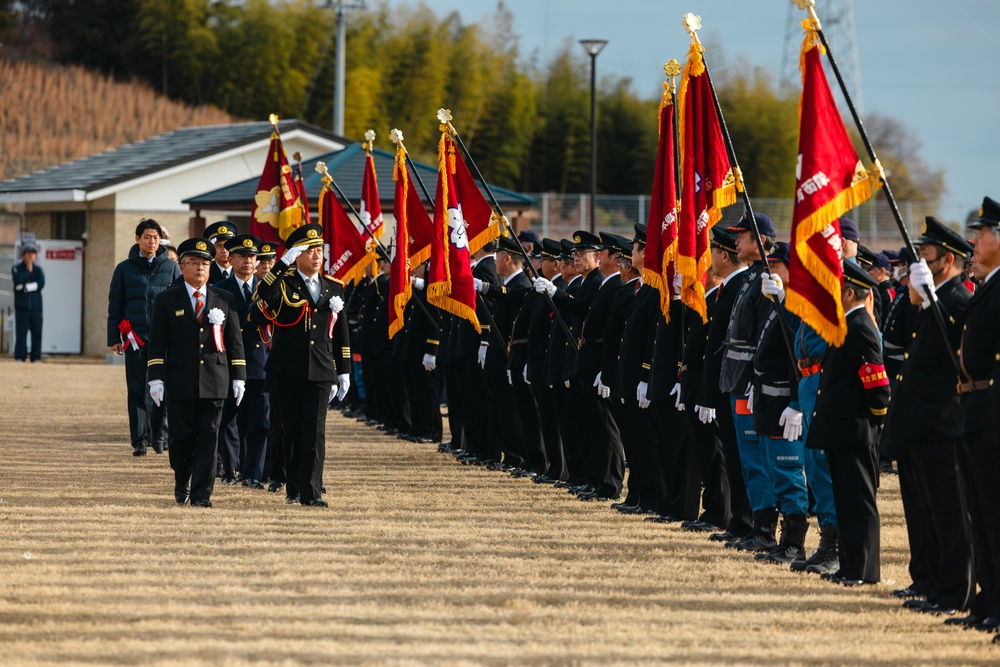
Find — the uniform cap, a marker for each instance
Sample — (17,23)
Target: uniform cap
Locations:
(196,247)
(306,236)
(937,233)
(764,225)
(857,276)
(243,244)
(224,229)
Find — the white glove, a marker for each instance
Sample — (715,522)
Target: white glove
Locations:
(921,277)
(30,287)
(705,415)
(603,390)
(343,385)
(510,378)
(791,419)
(482,354)
(524,374)
(239,388)
(750,398)
(676,392)
(640,394)
(430,362)
(156,391)
(677,284)
(566,384)
(544,285)
(480,286)
(772,287)
(291,255)
(418,283)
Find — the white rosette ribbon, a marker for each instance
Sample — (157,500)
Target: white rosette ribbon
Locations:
(216,317)
(336,305)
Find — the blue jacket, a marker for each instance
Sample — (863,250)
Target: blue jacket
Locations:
(23,299)
(135,284)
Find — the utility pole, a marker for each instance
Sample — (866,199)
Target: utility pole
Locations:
(340,58)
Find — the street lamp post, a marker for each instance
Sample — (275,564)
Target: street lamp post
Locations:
(593,47)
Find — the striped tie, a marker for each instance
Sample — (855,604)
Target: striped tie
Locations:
(199,307)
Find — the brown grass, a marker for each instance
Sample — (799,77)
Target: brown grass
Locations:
(51,114)
(419,561)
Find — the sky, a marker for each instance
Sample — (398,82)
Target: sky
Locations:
(931,65)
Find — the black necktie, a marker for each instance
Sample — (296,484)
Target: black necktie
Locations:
(246,292)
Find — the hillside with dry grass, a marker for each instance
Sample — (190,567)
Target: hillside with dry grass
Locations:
(51,114)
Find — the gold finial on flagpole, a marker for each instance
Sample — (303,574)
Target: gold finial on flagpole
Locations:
(369,140)
(692,24)
(444,117)
(273,119)
(809,6)
(672,69)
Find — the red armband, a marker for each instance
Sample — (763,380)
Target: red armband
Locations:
(873,375)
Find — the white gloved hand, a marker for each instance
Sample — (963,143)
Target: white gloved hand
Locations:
(566,384)
(603,390)
(750,398)
(544,285)
(510,378)
(343,385)
(677,284)
(291,255)
(482,354)
(705,415)
(524,374)
(640,394)
(156,391)
(418,283)
(772,287)
(676,393)
(921,278)
(480,286)
(791,420)
(430,362)
(30,287)
(239,388)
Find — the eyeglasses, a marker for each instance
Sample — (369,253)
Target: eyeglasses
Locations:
(197,264)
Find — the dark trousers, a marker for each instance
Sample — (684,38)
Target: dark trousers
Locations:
(605,463)
(477,425)
(678,462)
(854,473)
(229,439)
(916,514)
(143,414)
(424,392)
(456,406)
(28,320)
(712,470)
(303,409)
(399,398)
(254,424)
(637,440)
(551,435)
(193,441)
(274,465)
(532,443)
(981,466)
(740,511)
(572,431)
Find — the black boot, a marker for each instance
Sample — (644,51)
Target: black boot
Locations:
(793,539)
(761,538)
(825,559)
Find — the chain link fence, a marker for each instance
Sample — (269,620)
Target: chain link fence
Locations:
(558,216)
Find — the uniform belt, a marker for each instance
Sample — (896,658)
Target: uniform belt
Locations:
(739,356)
(809,362)
(768,390)
(808,370)
(975,385)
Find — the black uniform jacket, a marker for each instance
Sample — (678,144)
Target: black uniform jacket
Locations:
(184,354)
(981,359)
(519,343)
(641,317)
(694,351)
(254,347)
(302,346)
(588,362)
(507,301)
(709,394)
(775,382)
(578,302)
(665,355)
(926,404)
(464,338)
(614,329)
(853,394)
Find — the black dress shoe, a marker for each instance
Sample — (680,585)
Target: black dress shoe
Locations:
(292,500)
(201,503)
(181,499)
(252,484)
(423,440)
(316,502)
(724,536)
(700,527)
(937,609)
(139,450)
(274,487)
(988,624)
(159,446)
(907,592)
(622,507)
(968,621)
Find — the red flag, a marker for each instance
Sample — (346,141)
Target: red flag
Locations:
(661,237)
(347,255)
(300,187)
(482,224)
(277,207)
(707,179)
(371,206)
(449,281)
(829,180)
(413,240)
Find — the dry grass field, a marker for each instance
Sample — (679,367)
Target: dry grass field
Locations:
(418,561)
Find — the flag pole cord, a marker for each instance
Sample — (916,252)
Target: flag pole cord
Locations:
(479,297)
(779,310)
(890,199)
(499,211)
(381,248)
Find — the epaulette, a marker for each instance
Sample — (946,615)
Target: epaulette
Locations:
(332,279)
(290,271)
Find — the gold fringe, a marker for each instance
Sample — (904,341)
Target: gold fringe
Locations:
(400,300)
(692,290)
(832,332)
(491,233)
(399,307)
(439,294)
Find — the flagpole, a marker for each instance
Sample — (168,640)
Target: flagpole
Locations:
(692,24)
(430,200)
(810,6)
(321,168)
(444,116)
(673,69)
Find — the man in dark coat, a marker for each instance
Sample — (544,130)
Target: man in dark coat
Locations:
(135,284)
(310,356)
(851,404)
(28,279)
(195,360)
